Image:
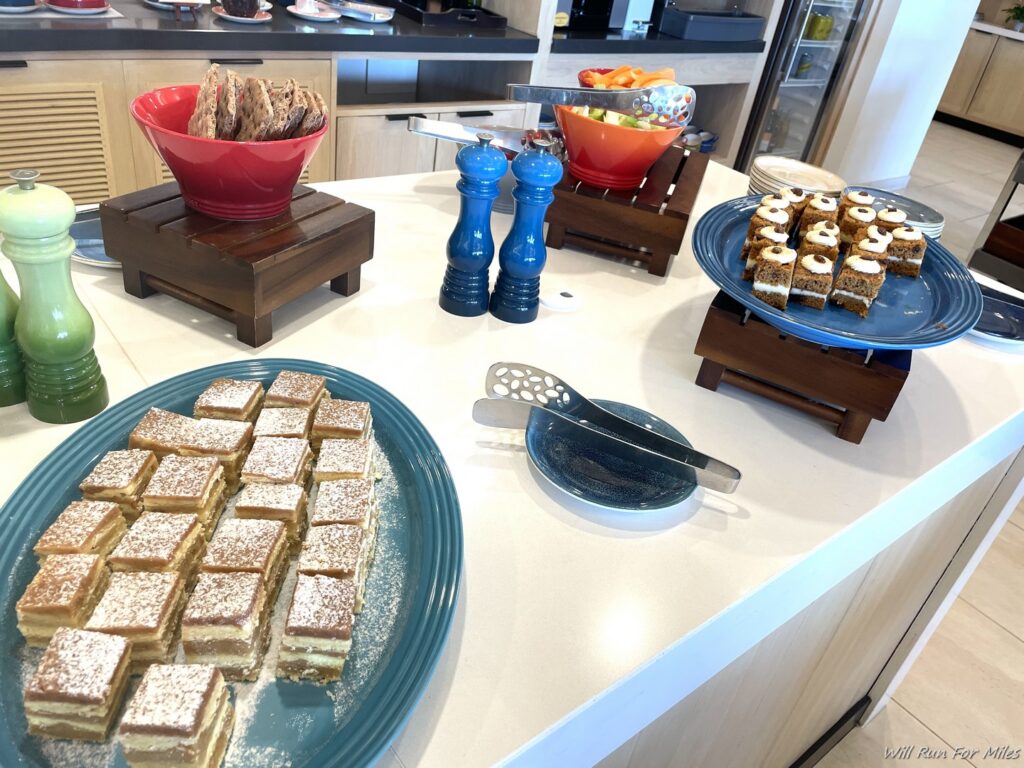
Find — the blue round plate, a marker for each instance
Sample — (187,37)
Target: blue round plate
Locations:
(398,638)
(584,471)
(1001,321)
(939,306)
(88,236)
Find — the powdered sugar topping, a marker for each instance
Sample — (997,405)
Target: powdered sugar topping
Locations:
(79,523)
(155,536)
(60,580)
(77,665)
(135,600)
(223,598)
(322,605)
(118,469)
(171,698)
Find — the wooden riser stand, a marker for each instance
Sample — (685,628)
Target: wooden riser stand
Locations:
(239,270)
(845,387)
(645,224)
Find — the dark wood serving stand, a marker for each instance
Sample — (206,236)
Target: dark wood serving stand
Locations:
(646,224)
(845,387)
(239,270)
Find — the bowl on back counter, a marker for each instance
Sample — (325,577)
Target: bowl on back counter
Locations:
(234,180)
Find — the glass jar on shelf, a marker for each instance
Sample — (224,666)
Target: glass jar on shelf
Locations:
(819,26)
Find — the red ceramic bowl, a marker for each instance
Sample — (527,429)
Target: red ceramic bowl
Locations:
(610,156)
(234,180)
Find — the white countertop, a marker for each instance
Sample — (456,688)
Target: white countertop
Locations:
(571,619)
(996,29)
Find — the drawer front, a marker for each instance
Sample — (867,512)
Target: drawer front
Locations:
(381,145)
(999,100)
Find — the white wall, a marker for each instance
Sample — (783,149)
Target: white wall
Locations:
(907,59)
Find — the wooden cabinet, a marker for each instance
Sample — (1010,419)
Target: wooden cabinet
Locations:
(999,99)
(145,75)
(512,116)
(381,145)
(967,72)
(68,120)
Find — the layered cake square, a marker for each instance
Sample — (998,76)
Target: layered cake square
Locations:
(272,501)
(342,551)
(145,608)
(293,388)
(854,198)
(120,477)
(819,242)
(827,226)
(225,623)
(340,419)
(77,688)
(773,275)
(812,280)
(249,546)
(344,459)
(226,441)
(161,542)
(768,216)
(318,631)
(870,248)
(163,432)
(776,200)
(230,399)
(819,208)
(854,220)
(857,284)
(906,252)
(765,237)
(877,233)
(283,422)
(181,715)
(83,528)
(797,199)
(278,460)
(345,502)
(62,594)
(890,217)
(187,484)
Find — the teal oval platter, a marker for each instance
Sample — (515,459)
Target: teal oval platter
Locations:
(411,590)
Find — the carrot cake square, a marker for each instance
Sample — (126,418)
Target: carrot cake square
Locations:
(62,594)
(161,542)
(870,248)
(292,388)
(773,275)
(858,284)
(797,198)
(819,208)
(812,280)
(143,607)
(187,484)
(283,422)
(274,501)
(345,502)
(181,715)
(827,226)
(120,476)
(243,545)
(891,217)
(854,220)
(819,241)
(318,632)
(763,238)
(230,399)
(776,200)
(278,460)
(344,459)
(83,528)
(852,199)
(906,252)
(766,216)
(226,622)
(77,688)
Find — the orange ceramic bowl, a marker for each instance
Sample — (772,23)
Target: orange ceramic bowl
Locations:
(234,180)
(610,156)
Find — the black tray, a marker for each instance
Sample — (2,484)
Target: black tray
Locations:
(480,18)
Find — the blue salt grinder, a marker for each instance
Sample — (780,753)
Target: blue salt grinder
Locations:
(471,246)
(516,296)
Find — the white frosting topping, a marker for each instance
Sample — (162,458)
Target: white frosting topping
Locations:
(828,226)
(770,288)
(821,237)
(812,264)
(770,233)
(779,254)
(876,246)
(823,203)
(775,201)
(773,214)
(907,233)
(857,197)
(860,213)
(865,266)
(793,194)
(878,233)
(892,215)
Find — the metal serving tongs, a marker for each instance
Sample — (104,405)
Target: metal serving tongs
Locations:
(515,389)
(512,141)
(669,105)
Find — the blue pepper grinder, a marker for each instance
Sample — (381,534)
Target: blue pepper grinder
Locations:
(516,296)
(471,247)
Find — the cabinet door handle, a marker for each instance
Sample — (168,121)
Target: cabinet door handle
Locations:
(403,117)
(13,64)
(477,113)
(237,62)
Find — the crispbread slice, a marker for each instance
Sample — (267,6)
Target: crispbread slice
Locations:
(282,99)
(228,117)
(296,112)
(203,122)
(257,111)
(315,117)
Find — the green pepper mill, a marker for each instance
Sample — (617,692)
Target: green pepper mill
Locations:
(12,375)
(63,381)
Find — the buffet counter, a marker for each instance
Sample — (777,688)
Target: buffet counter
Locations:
(724,628)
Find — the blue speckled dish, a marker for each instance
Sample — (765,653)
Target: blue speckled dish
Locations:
(410,601)
(941,305)
(582,470)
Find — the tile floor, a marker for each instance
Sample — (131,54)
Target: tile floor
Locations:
(959,174)
(966,689)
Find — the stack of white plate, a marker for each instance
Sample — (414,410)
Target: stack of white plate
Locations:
(769,173)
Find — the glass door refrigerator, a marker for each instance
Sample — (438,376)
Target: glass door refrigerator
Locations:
(811,44)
